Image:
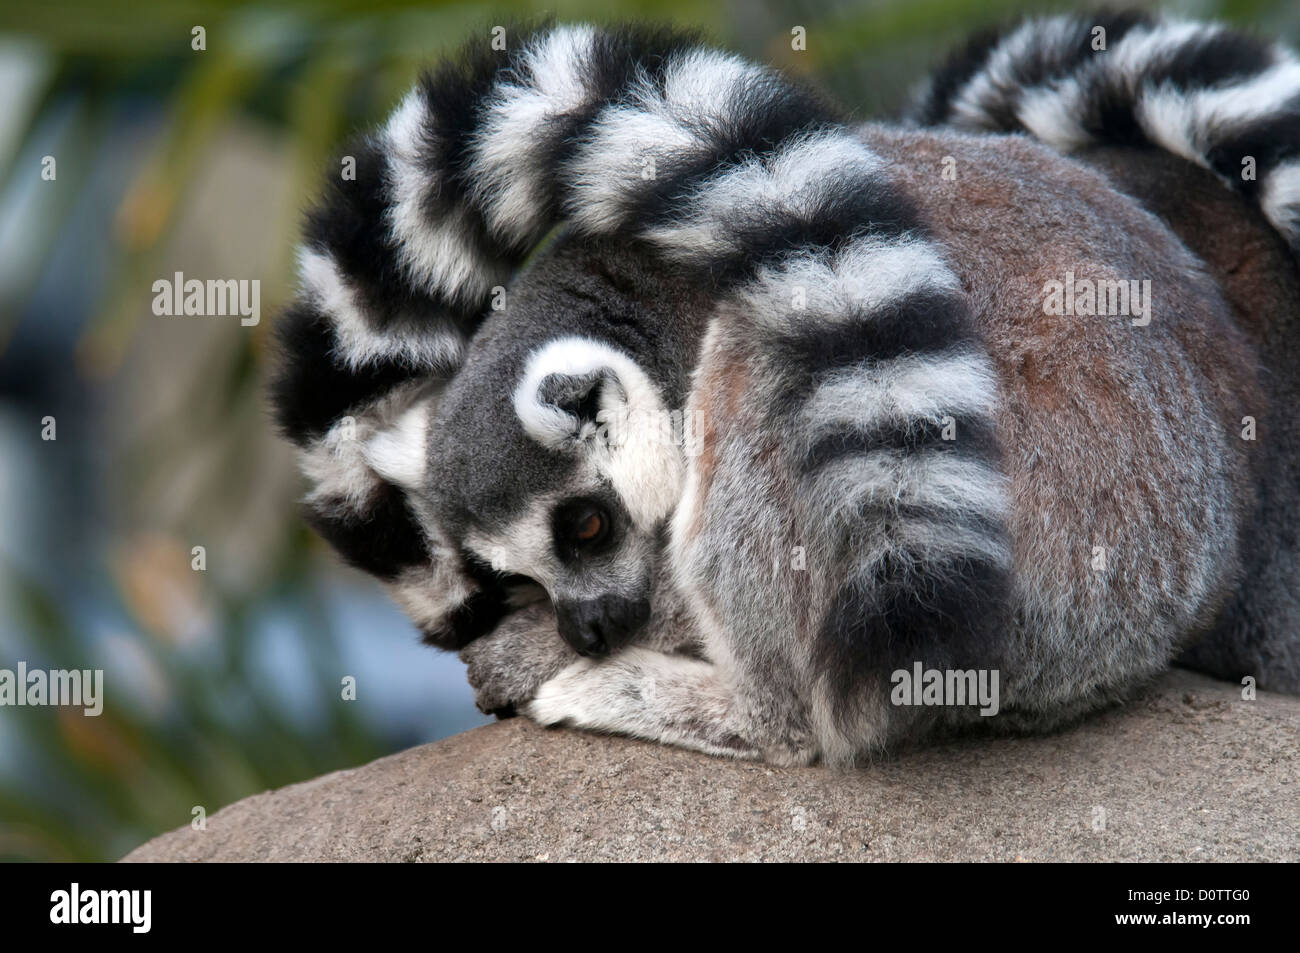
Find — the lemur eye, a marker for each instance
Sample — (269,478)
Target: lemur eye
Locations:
(590,528)
(582,526)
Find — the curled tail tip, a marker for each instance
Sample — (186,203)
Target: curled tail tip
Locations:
(1222,98)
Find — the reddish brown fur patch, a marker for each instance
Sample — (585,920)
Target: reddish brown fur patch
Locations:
(720,391)
(1260,278)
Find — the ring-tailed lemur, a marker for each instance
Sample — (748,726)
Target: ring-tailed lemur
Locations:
(905,431)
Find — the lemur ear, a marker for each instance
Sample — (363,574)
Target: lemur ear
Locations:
(569,406)
(576,394)
(581,395)
(573,389)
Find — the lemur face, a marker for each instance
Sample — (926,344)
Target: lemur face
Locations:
(551,457)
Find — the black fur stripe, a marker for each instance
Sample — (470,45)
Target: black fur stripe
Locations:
(475,617)
(351,223)
(1221,57)
(382,540)
(945,614)
(1037,69)
(456,94)
(923,322)
(1271,141)
(951,77)
(481,612)
(973,437)
(311,389)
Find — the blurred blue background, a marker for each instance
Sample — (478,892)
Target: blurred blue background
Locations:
(227,681)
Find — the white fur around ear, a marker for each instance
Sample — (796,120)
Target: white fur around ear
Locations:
(632,444)
(550,425)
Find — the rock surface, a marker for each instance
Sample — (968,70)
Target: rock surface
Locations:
(1189,771)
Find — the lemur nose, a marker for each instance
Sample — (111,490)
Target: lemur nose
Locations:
(582,626)
(590,641)
(595,627)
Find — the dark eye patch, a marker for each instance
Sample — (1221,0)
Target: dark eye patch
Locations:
(582,527)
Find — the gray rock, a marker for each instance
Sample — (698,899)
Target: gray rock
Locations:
(1189,771)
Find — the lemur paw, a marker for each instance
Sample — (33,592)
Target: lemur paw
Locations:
(566,698)
(507,666)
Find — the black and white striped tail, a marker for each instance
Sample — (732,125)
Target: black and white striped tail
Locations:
(894,398)
(1220,98)
(719,166)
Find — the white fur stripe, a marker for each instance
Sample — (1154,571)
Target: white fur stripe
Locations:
(1145,46)
(1189,124)
(357,343)
(436,255)
(1167,116)
(1051,114)
(916,543)
(626,143)
(991,85)
(507,182)
(931,541)
(699,84)
(387,438)
(867,275)
(400,452)
(917,387)
(790,182)
(1216,111)
(634,143)
(335,469)
(883,479)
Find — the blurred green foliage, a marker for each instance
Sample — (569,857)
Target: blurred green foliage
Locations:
(304,75)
